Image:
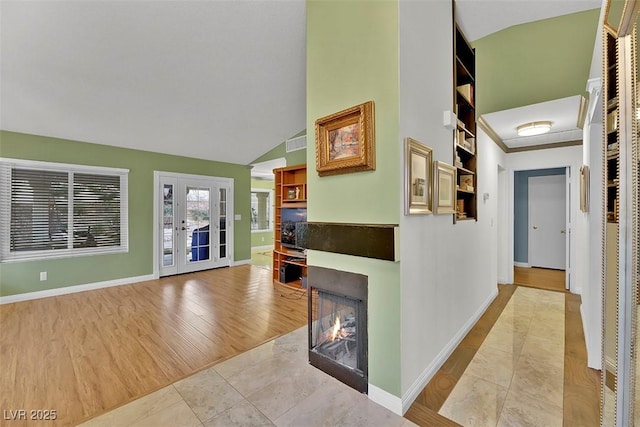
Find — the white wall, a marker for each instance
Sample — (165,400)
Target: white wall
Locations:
(591,308)
(553,158)
(448,272)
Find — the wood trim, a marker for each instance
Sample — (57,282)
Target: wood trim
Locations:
(482,123)
(582,112)
(545,146)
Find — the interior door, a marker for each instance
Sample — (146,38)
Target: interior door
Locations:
(547,221)
(194,225)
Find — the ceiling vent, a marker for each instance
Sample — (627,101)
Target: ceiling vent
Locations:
(295,144)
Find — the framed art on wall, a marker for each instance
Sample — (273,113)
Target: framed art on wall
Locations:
(345,141)
(417,178)
(445,189)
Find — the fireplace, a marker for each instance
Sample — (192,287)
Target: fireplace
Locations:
(338,325)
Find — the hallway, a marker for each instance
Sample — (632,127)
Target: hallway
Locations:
(523,363)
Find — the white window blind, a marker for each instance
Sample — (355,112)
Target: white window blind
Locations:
(52,210)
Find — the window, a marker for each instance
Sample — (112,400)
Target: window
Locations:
(50,210)
(261,202)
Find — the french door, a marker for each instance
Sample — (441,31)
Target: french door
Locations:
(194,225)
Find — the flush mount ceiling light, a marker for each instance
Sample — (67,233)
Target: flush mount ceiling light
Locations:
(533,128)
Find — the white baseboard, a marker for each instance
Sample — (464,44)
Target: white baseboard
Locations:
(386,399)
(241,262)
(594,355)
(521,264)
(73,289)
(420,383)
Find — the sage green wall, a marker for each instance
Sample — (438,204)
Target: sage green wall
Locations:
(262,238)
(20,277)
(535,62)
(298,157)
(352,57)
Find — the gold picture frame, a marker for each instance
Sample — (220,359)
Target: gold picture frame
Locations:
(345,141)
(445,188)
(418,175)
(584,188)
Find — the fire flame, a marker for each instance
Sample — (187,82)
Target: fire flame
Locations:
(336,329)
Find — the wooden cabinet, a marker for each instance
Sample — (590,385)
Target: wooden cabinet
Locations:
(289,261)
(611,128)
(464,138)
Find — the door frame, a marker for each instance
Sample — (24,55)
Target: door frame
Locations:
(567,223)
(229,182)
(571,165)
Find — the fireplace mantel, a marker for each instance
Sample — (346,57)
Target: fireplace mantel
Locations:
(378,241)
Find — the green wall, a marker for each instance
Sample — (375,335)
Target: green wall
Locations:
(263,238)
(352,57)
(294,158)
(20,277)
(535,62)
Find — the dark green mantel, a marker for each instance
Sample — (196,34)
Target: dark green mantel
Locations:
(376,241)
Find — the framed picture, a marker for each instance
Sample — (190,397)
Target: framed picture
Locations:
(417,178)
(445,189)
(584,188)
(345,141)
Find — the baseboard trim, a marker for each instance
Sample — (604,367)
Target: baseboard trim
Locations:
(594,357)
(241,262)
(521,264)
(74,289)
(386,399)
(421,382)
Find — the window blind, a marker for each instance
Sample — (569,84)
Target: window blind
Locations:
(52,210)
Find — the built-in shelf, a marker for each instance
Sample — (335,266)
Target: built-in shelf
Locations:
(291,192)
(464,136)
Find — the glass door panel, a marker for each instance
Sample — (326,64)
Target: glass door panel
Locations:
(197,220)
(222,234)
(167,226)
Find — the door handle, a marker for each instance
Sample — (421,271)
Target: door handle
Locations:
(535,227)
(562,232)
(183,228)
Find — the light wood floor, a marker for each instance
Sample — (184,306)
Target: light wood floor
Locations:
(541,278)
(83,354)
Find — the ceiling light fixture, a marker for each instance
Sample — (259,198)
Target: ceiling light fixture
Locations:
(533,128)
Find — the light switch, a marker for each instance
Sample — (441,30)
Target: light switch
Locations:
(237,217)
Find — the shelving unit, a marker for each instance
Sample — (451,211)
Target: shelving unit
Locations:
(611,129)
(464,138)
(290,192)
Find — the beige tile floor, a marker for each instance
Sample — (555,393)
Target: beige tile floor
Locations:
(262,258)
(272,384)
(516,378)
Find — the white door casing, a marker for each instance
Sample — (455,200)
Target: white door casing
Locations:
(194,229)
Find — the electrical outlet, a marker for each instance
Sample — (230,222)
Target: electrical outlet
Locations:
(43,276)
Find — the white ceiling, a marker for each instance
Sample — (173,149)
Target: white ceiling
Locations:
(563,114)
(221,80)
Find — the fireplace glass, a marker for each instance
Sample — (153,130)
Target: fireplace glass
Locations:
(338,325)
(334,333)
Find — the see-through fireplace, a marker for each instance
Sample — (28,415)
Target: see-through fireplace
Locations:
(338,325)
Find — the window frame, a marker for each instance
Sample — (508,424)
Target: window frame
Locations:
(271,210)
(6,166)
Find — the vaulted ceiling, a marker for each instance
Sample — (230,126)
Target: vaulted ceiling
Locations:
(219,80)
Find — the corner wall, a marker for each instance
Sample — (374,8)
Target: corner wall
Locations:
(352,57)
(448,271)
